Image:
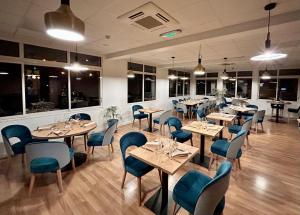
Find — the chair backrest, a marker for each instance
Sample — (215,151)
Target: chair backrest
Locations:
(182,106)
(174,122)
(56,150)
(131,139)
(252,106)
(247,125)
(214,191)
(201,113)
(164,117)
(259,115)
(109,133)
(81,116)
(235,145)
(174,103)
(111,122)
(19,131)
(136,108)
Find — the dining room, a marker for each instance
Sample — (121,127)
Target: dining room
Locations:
(149,107)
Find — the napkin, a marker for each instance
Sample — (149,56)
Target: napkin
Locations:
(57,132)
(89,124)
(180,153)
(40,128)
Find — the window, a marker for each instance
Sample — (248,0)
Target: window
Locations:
(149,69)
(211,87)
(45,54)
(135,88)
(229,86)
(179,83)
(200,87)
(179,87)
(172,83)
(244,87)
(85,59)
(10,89)
(9,48)
(267,89)
(288,89)
(85,89)
(46,88)
(149,87)
(135,67)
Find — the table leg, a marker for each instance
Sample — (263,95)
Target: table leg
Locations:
(277,114)
(221,132)
(161,202)
(200,158)
(150,129)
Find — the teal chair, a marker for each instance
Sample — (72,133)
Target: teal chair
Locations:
(235,129)
(136,114)
(232,150)
(199,194)
(178,134)
(46,157)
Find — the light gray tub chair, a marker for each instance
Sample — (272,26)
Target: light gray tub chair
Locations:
(48,157)
(162,121)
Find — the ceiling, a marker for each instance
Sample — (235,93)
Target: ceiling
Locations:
(23,20)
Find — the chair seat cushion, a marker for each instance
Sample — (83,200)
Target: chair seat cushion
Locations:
(157,120)
(187,190)
(293,110)
(42,165)
(221,146)
(181,136)
(234,129)
(136,167)
(140,116)
(96,139)
(179,110)
(18,148)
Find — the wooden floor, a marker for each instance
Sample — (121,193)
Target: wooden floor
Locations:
(269,182)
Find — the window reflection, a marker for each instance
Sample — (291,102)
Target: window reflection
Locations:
(46,88)
(230,88)
(244,87)
(267,89)
(288,89)
(135,88)
(149,87)
(200,87)
(211,87)
(85,89)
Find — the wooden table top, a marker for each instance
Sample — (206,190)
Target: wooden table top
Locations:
(64,129)
(203,128)
(161,160)
(221,116)
(193,102)
(241,109)
(150,110)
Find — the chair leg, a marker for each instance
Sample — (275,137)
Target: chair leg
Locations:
(112,148)
(32,180)
(262,127)
(174,211)
(139,190)
(72,142)
(140,124)
(132,122)
(256,125)
(59,180)
(73,164)
(211,161)
(230,136)
(88,154)
(192,142)
(288,117)
(159,173)
(248,143)
(239,163)
(93,150)
(123,179)
(85,138)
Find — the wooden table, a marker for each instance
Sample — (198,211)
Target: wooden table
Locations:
(68,130)
(150,111)
(241,108)
(277,107)
(204,129)
(221,117)
(161,202)
(191,103)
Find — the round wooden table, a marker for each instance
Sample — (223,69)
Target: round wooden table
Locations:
(66,130)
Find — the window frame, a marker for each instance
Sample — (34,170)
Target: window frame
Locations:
(182,74)
(205,78)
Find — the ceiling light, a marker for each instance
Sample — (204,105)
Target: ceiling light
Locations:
(225,76)
(76,66)
(199,69)
(184,78)
(269,54)
(130,73)
(53,76)
(231,79)
(170,34)
(172,76)
(3,73)
(63,24)
(266,75)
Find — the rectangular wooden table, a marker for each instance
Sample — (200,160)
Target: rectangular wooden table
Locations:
(221,117)
(161,202)
(191,103)
(204,129)
(150,111)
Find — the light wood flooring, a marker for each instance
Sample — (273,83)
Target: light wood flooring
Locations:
(269,182)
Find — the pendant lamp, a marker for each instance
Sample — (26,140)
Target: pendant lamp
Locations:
(199,69)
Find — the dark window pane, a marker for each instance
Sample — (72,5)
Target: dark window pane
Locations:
(46,88)
(135,67)
(149,69)
(288,89)
(211,87)
(172,72)
(43,53)
(179,87)
(187,87)
(244,87)
(244,73)
(9,48)
(149,87)
(135,88)
(212,74)
(86,59)
(267,89)
(85,89)
(229,86)
(200,87)
(284,72)
(10,89)
(172,88)
(271,72)
(231,74)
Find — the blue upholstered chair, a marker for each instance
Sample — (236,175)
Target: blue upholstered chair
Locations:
(46,157)
(138,115)
(230,150)
(104,138)
(23,134)
(200,194)
(293,110)
(202,116)
(174,103)
(235,129)
(258,117)
(162,120)
(250,113)
(178,134)
(131,164)
(81,116)
(181,109)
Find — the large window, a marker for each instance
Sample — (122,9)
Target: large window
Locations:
(10,89)
(288,89)
(149,87)
(267,89)
(9,48)
(230,84)
(86,59)
(172,83)
(179,83)
(46,88)
(45,54)
(85,89)
(207,85)
(200,87)
(135,88)
(211,87)
(239,84)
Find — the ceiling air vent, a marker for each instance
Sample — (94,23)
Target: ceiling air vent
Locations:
(148,17)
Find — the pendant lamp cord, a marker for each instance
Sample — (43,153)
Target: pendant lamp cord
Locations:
(76,54)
